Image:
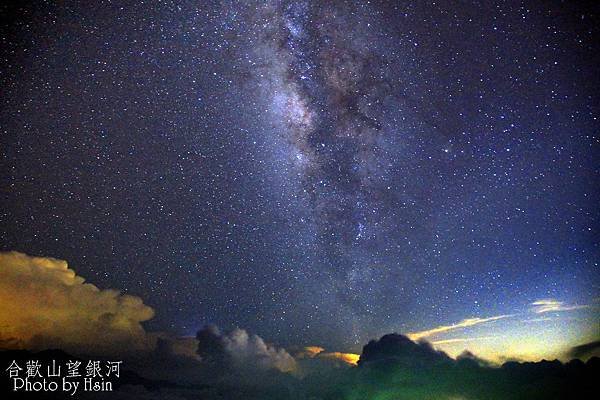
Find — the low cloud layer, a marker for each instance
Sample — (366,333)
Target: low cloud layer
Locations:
(44,304)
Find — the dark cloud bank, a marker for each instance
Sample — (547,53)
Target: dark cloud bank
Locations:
(237,365)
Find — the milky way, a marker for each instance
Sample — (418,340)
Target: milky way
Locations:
(330,83)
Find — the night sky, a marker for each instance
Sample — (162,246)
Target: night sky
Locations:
(315,172)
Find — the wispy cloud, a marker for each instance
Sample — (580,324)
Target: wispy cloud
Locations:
(537,320)
(462,340)
(462,324)
(551,305)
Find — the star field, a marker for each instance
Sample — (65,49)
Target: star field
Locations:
(315,172)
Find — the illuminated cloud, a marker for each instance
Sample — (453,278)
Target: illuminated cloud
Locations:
(44,303)
(462,340)
(320,353)
(526,336)
(252,348)
(462,324)
(310,351)
(241,350)
(551,305)
(348,358)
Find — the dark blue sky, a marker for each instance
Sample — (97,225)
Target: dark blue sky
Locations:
(315,172)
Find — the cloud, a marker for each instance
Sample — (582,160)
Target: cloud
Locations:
(551,305)
(585,350)
(462,340)
(310,352)
(348,358)
(400,349)
(396,367)
(462,324)
(242,350)
(392,367)
(44,303)
(320,353)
